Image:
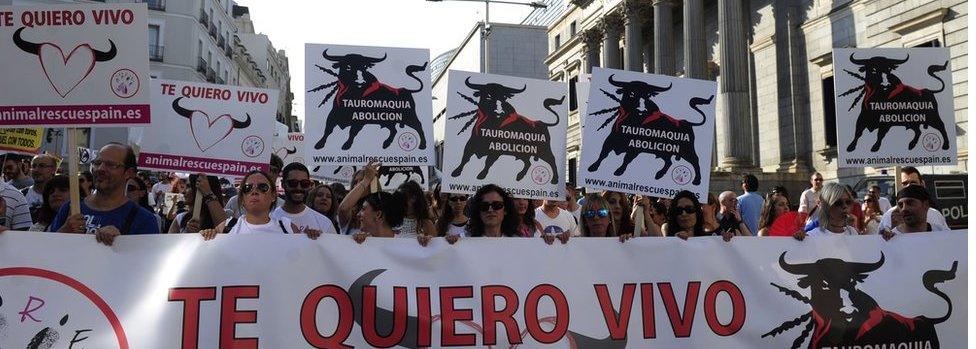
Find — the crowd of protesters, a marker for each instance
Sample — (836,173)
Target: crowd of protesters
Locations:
(117,199)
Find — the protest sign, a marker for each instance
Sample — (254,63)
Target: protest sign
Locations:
(74,65)
(21,140)
(894,107)
(335,174)
(391,177)
(218,130)
(357,95)
(86,155)
(648,134)
(506,131)
(290,147)
(253,291)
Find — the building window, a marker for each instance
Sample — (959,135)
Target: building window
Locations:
(830,116)
(573,103)
(556,41)
(155,48)
(572,172)
(931,43)
(572,29)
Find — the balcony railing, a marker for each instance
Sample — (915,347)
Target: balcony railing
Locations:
(155,53)
(229,51)
(158,5)
(201,65)
(211,75)
(221,41)
(213,31)
(220,81)
(204,19)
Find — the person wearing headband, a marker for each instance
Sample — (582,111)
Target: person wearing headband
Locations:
(913,206)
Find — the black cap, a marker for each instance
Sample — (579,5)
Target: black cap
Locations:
(915,192)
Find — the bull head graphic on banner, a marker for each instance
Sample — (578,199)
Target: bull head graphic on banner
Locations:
(207,131)
(361,99)
(65,71)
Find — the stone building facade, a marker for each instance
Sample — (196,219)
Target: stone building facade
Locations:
(772,62)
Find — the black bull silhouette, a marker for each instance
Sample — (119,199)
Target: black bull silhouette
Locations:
(882,87)
(495,114)
(637,112)
(390,171)
(354,81)
(843,316)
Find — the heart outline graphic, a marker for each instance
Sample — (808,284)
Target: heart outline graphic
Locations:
(214,138)
(64,65)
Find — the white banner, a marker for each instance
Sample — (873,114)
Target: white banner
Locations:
(219,130)
(290,147)
(178,291)
(648,134)
(506,131)
(358,95)
(74,65)
(894,107)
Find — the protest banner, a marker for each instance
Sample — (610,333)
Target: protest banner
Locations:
(178,291)
(218,130)
(86,155)
(26,141)
(357,95)
(648,134)
(290,147)
(517,125)
(74,65)
(391,177)
(894,107)
(335,174)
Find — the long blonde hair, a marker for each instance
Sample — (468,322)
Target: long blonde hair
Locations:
(595,202)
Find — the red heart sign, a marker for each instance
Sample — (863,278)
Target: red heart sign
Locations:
(66,72)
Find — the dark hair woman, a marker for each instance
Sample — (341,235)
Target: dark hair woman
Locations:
(620,209)
(257,199)
(322,199)
(776,204)
(85,182)
(452,218)
(416,213)
(380,213)
(212,211)
(492,213)
(347,212)
(527,225)
(685,217)
(55,194)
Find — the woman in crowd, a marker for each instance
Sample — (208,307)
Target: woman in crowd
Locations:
(347,213)
(322,200)
(710,210)
(775,205)
(257,199)
(643,216)
(686,218)
(856,212)
(55,195)
(138,192)
(834,209)
(620,209)
(338,193)
(212,211)
(416,217)
(381,212)
(435,201)
(872,215)
(452,217)
(597,221)
(85,181)
(493,213)
(527,225)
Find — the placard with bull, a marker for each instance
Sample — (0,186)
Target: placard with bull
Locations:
(219,130)
(894,107)
(507,131)
(367,104)
(648,134)
(290,147)
(74,65)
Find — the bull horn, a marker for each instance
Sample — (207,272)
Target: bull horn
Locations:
(661,89)
(616,83)
(375,60)
(896,62)
(325,54)
(472,85)
(861,268)
(514,90)
(24,45)
(858,61)
(795,269)
(243,124)
(180,110)
(292,151)
(102,56)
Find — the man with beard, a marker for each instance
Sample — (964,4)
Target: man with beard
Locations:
(913,207)
(108,213)
(13,172)
(296,183)
(42,170)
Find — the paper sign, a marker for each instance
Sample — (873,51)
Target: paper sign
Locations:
(74,65)
(506,131)
(21,140)
(218,130)
(290,148)
(335,174)
(391,177)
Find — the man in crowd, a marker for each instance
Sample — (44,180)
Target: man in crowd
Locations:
(570,203)
(296,182)
(17,215)
(808,199)
(750,203)
(731,218)
(13,172)
(43,168)
(108,213)
(276,165)
(909,177)
(555,220)
(159,190)
(875,193)
(913,206)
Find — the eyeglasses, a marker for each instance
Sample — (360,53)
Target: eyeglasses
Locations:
(261,187)
(685,210)
(494,205)
(458,198)
(107,164)
(299,183)
(602,213)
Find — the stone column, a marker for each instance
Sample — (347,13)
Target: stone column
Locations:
(664,37)
(734,85)
(634,60)
(694,40)
(591,46)
(612,24)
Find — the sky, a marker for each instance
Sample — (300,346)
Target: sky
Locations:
(438,26)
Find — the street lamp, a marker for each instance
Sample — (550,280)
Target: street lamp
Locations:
(485,30)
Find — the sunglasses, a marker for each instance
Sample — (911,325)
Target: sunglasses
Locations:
(458,198)
(494,205)
(602,213)
(685,210)
(299,183)
(261,187)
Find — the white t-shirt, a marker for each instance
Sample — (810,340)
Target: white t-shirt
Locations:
(934,217)
(163,187)
(562,223)
(274,226)
(932,228)
(821,231)
(808,199)
(306,219)
(235,210)
(458,230)
(34,199)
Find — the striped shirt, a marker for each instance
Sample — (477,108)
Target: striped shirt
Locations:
(18,211)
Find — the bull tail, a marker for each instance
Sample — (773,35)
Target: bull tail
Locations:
(548,103)
(935,68)
(412,70)
(932,277)
(698,101)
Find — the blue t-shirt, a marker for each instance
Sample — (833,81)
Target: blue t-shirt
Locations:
(144,221)
(750,206)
